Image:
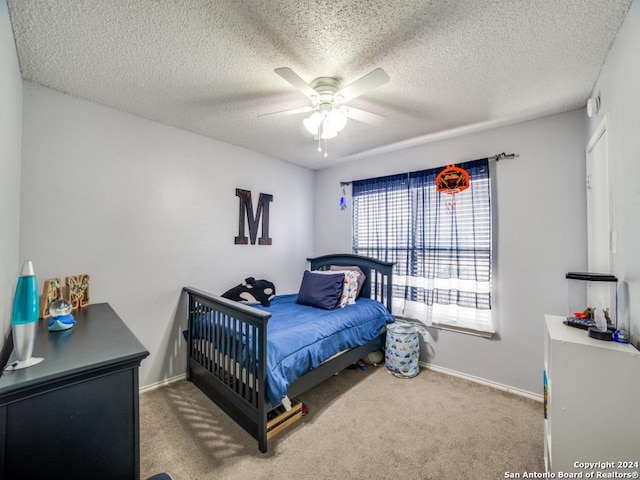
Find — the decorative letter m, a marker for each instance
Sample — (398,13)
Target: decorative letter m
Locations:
(246,207)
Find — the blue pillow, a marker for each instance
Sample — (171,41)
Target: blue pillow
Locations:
(321,291)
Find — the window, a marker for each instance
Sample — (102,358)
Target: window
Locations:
(440,244)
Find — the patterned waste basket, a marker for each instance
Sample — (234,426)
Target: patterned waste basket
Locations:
(402,349)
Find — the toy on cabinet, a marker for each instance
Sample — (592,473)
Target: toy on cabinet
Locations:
(592,303)
(61,317)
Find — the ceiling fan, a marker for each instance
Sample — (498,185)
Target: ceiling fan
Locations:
(329,112)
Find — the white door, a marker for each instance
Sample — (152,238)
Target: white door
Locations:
(600,235)
(599,229)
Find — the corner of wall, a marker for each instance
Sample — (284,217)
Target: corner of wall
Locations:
(10,165)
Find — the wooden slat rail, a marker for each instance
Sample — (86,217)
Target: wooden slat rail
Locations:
(227,357)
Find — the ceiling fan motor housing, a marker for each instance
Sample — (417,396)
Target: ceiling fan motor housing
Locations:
(326,87)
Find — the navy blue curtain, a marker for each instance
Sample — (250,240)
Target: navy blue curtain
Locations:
(432,238)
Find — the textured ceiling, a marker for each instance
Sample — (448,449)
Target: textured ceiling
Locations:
(208,66)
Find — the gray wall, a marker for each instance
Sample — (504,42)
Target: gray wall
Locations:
(146,209)
(10,143)
(619,89)
(540,230)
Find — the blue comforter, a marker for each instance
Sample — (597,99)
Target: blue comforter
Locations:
(300,338)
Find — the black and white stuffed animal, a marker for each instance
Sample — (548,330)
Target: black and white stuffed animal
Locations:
(252,292)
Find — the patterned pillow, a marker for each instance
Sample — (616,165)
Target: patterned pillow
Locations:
(351,286)
(361,278)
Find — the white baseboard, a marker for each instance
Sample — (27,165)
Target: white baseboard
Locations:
(428,366)
(163,383)
(483,381)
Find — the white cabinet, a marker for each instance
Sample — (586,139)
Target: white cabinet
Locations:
(592,401)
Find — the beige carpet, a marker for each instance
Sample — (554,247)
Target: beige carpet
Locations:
(362,424)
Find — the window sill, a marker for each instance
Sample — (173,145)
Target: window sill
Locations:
(467,331)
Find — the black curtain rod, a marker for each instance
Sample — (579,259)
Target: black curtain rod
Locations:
(497,157)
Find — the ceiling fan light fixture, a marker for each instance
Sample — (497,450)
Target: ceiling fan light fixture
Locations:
(337,119)
(313,122)
(327,132)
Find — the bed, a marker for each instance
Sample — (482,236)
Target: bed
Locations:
(231,352)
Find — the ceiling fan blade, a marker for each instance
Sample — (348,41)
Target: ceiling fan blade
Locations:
(291,111)
(364,116)
(294,79)
(371,80)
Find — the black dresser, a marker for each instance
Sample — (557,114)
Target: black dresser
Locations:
(75,415)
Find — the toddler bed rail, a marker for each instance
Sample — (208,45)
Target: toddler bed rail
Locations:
(230,368)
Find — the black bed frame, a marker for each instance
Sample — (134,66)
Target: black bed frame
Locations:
(232,374)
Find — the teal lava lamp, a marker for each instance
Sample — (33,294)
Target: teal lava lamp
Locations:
(24,321)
